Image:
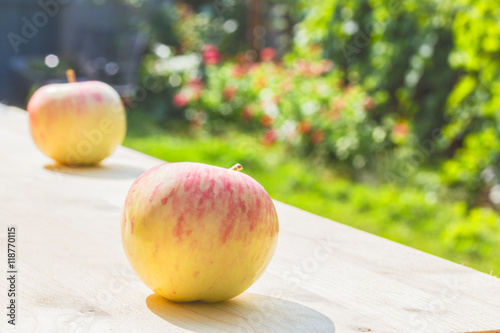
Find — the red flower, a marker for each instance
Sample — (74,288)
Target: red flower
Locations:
(270,137)
(368,103)
(400,131)
(303,127)
(211,55)
(401,128)
(228,93)
(333,114)
(327,65)
(337,104)
(266,121)
(247,113)
(303,67)
(239,70)
(253,66)
(196,83)
(267,54)
(180,100)
(317,137)
(316,69)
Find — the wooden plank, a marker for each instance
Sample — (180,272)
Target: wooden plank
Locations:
(325,276)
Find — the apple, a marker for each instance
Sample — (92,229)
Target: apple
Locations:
(77,123)
(193,231)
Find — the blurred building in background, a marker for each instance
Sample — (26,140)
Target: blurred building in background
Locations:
(44,38)
(106,39)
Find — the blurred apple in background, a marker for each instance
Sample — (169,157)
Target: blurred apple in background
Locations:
(198,232)
(77,123)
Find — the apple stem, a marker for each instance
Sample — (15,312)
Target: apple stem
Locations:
(236,167)
(70,74)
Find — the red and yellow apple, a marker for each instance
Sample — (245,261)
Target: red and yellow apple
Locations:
(78,123)
(193,231)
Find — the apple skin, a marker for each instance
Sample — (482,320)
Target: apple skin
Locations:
(77,123)
(194,232)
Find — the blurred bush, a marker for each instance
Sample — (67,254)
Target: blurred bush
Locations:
(302,102)
(177,32)
(397,49)
(415,84)
(473,105)
(218,24)
(436,63)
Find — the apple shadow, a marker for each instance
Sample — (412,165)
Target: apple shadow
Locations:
(111,170)
(245,313)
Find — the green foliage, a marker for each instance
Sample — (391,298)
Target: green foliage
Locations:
(397,49)
(481,151)
(220,23)
(475,237)
(437,64)
(188,27)
(177,34)
(474,103)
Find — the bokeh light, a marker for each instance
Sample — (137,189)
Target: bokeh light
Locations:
(51,60)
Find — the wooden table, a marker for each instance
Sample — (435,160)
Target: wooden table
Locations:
(73,275)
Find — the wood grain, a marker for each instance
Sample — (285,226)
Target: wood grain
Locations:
(325,276)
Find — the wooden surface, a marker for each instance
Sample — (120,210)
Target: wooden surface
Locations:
(325,276)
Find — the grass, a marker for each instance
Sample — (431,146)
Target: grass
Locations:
(405,215)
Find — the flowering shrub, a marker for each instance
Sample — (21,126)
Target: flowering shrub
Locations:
(396,48)
(303,103)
